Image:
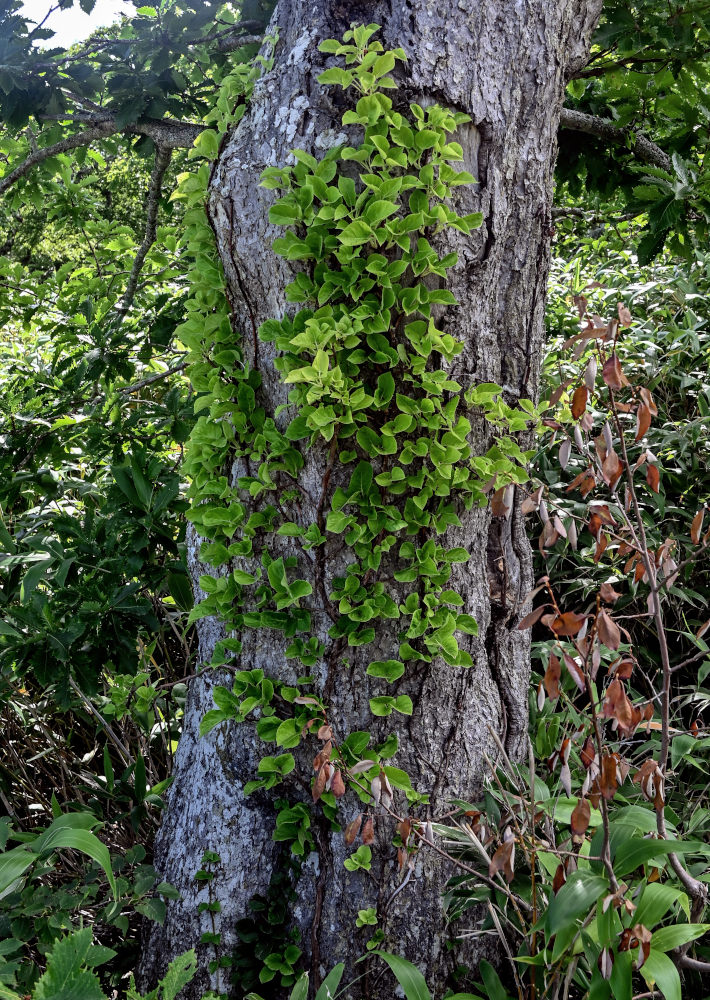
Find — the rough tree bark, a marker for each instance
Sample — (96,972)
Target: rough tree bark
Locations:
(505,63)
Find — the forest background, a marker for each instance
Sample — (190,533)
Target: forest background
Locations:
(98,266)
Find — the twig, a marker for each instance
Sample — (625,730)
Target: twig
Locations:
(152,378)
(152,205)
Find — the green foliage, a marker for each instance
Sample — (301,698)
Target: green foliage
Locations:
(607,893)
(37,907)
(648,73)
(361,217)
(70,976)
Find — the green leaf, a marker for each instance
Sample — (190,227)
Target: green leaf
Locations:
(329,986)
(389,670)
(152,909)
(207,143)
(180,972)
(356,233)
(491,980)
(637,851)
(426,139)
(667,938)
(300,990)
(658,970)
(656,900)
(211,719)
(57,837)
(576,897)
(13,864)
(283,213)
(66,977)
(408,976)
(376,211)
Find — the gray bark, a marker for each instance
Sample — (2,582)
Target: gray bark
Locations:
(505,63)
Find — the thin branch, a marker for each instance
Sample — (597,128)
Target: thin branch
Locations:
(152,205)
(85,138)
(152,378)
(642,148)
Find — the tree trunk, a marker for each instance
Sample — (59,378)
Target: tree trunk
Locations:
(505,64)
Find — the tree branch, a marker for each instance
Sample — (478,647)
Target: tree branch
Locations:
(137,386)
(152,204)
(168,132)
(642,148)
(686,962)
(100,131)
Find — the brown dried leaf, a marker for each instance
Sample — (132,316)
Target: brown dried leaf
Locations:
(612,467)
(608,594)
(588,484)
(608,630)
(559,879)
(653,477)
(503,861)
(581,815)
(368,832)
(552,677)
(575,671)
(564,453)
(362,766)
(617,705)
(352,829)
(337,785)
(607,780)
(568,624)
(612,373)
(529,620)
(624,314)
(579,401)
(605,963)
(643,421)
(648,400)
(601,547)
(502,501)
(587,753)
(319,782)
(531,503)
(696,528)
(404,829)
(650,777)
(572,535)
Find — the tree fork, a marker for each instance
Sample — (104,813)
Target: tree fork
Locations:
(505,66)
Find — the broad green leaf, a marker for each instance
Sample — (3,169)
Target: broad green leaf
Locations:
(576,897)
(667,938)
(66,977)
(408,976)
(491,979)
(78,840)
(300,990)
(656,900)
(637,851)
(13,864)
(658,970)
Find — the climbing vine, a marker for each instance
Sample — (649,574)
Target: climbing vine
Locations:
(366,368)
